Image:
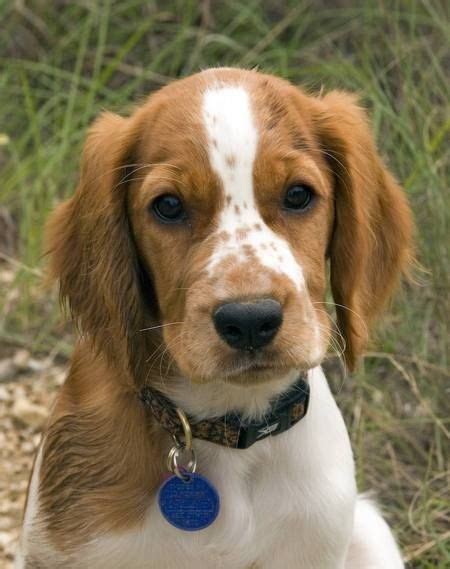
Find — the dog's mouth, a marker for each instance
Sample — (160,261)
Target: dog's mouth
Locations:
(253,367)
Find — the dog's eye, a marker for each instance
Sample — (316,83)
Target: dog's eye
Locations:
(169,208)
(298,197)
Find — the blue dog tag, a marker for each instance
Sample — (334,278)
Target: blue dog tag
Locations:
(191,504)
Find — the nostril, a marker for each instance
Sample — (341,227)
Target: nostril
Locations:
(268,328)
(232,332)
(229,321)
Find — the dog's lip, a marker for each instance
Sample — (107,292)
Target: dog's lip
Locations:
(255,367)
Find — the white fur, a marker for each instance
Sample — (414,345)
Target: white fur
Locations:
(34,538)
(214,399)
(31,512)
(373,545)
(232,133)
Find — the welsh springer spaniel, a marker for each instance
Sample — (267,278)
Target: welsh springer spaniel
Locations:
(194,257)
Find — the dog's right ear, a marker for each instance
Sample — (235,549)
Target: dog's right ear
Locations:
(91,247)
(371,246)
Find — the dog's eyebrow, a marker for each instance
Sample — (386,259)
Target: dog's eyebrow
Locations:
(299,142)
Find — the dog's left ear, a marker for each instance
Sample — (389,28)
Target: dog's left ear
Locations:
(371,242)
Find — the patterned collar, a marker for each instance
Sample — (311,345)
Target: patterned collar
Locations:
(231,430)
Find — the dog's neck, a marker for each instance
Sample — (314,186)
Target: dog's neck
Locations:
(230,429)
(208,400)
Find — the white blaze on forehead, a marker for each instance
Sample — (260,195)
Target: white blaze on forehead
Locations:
(232,145)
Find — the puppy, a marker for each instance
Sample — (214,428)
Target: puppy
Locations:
(196,428)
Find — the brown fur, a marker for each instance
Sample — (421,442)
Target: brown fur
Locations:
(102,457)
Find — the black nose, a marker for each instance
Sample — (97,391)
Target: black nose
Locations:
(248,325)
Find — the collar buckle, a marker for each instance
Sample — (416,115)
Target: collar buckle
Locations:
(272,426)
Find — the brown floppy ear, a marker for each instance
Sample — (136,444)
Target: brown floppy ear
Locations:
(91,247)
(371,242)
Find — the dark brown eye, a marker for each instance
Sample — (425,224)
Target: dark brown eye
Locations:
(298,197)
(168,208)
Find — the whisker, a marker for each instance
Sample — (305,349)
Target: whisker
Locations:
(170,345)
(345,308)
(160,326)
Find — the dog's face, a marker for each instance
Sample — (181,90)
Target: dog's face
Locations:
(231,190)
(233,222)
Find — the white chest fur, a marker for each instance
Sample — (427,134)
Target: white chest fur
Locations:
(288,502)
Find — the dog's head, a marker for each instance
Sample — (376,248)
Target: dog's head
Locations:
(212,214)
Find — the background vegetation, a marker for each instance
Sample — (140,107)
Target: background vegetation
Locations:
(61,62)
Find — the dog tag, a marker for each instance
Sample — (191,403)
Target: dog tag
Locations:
(190,505)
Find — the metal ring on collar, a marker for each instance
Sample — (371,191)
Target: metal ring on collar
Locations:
(186,428)
(180,470)
(174,455)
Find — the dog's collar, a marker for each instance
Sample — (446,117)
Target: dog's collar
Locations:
(231,430)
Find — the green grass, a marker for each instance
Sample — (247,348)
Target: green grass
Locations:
(62,63)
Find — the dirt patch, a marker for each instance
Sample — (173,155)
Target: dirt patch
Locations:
(27,389)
